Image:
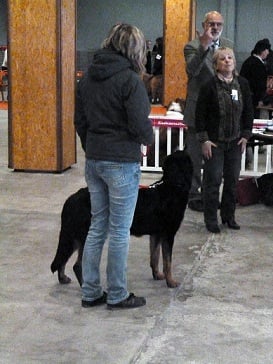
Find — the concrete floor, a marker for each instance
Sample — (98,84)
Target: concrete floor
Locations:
(221,313)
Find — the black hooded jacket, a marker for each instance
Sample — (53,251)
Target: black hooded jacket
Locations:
(112,109)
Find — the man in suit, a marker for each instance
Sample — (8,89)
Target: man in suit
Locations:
(255,71)
(198,56)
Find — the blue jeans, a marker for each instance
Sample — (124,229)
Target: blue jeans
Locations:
(113,188)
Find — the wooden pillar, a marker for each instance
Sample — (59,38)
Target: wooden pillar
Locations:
(41,54)
(179,27)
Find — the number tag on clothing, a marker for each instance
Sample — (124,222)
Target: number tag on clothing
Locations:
(234,95)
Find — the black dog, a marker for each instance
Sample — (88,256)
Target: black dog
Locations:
(159,212)
(265,187)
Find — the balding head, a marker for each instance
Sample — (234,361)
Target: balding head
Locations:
(215,22)
(211,15)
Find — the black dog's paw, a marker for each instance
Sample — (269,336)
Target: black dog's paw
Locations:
(63,279)
(158,276)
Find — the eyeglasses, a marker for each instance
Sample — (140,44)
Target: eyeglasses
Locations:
(214,24)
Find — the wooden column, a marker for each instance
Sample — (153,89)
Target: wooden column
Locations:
(42,48)
(179,27)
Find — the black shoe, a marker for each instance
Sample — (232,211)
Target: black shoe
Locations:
(131,302)
(99,301)
(213,228)
(232,224)
(196,205)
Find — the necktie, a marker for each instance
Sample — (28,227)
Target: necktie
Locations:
(214,46)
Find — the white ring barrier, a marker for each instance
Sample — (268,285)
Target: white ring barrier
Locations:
(261,163)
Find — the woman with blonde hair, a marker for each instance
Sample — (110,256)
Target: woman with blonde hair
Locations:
(224,118)
(111,119)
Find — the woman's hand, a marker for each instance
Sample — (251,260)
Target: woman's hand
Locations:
(242,142)
(206,149)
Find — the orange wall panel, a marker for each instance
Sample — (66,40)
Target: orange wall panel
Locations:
(41,84)
(68,54)
(177,32)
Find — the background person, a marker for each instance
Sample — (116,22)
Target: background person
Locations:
(224,118)
(198,56)
(158,59)
(5,61)
(149,56)
(156,81)
(111,118)
(255,71)
(269,63)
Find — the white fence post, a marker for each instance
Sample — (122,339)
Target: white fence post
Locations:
(169,123)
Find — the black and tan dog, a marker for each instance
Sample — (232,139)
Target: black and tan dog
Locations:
(159,212)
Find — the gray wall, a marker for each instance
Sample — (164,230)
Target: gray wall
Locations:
(246,21)
(3,22)
(96,17)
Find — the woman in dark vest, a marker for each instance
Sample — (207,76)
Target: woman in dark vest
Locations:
(224,118)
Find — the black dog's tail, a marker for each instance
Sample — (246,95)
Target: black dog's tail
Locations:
(64,252)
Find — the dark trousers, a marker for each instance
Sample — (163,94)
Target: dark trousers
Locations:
(225,163)
(193,147)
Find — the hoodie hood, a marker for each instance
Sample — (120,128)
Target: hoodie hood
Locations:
(106,63)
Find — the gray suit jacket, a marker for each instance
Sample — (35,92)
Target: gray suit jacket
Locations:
(199,70)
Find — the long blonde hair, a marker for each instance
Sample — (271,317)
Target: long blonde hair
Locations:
(130,42)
